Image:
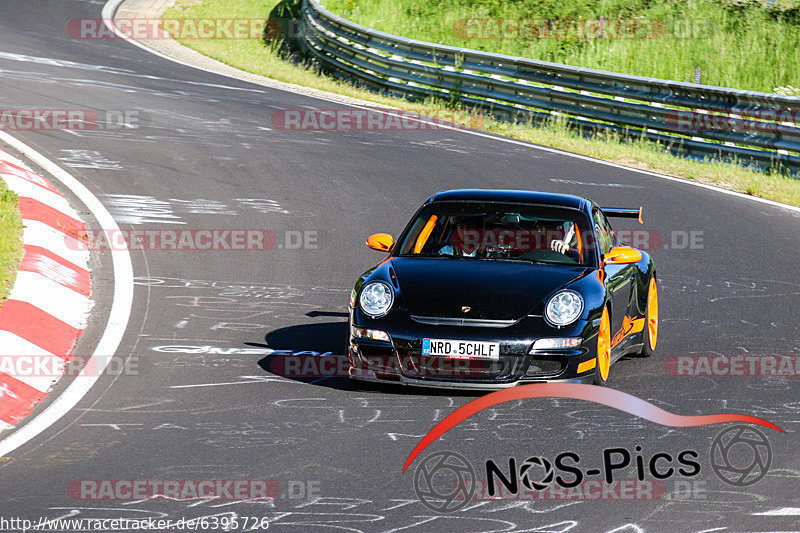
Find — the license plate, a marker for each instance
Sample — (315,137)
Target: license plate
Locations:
(461,349)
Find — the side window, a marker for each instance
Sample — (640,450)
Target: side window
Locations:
(605,236)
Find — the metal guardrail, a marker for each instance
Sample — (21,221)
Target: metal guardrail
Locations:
(701,121)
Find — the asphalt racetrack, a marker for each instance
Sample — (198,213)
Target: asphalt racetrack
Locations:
(192,396)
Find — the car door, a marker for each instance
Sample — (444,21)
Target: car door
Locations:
(619,278)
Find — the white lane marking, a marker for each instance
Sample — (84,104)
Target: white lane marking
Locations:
(118,317)
(108,70)
(59,63)
(53,298)
(110,8)
(592,184)
(37,233)
(783,511)
(108,18)
(25,188)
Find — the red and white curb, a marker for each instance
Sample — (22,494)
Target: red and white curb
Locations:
(49,304)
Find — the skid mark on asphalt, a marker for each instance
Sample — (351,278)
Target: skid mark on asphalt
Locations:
(359,515)
(202,207)
(143,209)
(240,289)
(722,289)
(235,306)
(135,209)
(91,159)
(448,145)
(262,205)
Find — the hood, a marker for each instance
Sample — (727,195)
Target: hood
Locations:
(494,290)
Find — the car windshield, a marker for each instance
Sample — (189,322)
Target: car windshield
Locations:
(498,231)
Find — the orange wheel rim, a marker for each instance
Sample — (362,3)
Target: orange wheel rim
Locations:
(604,346)
(652,314)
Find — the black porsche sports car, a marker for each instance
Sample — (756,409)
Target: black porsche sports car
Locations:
(487,289)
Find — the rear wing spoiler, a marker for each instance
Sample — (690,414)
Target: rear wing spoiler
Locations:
(622,212)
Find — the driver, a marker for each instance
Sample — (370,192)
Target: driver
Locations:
(570,239)
(463,241)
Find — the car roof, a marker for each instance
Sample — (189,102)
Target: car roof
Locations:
(514,196)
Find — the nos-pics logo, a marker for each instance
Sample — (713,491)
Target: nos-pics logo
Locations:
(445,481)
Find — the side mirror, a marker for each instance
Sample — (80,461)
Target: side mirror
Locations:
(380,241)
(622,255)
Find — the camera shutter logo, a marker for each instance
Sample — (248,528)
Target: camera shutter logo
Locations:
(741,456)
(525,473)
(445,482)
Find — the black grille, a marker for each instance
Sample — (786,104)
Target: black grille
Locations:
(376,358)
(544,367)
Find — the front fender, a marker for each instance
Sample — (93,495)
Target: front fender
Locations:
(645,269)
(595,296)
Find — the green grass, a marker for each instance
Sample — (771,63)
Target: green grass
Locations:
(10,240)
(253,56)
(735,43)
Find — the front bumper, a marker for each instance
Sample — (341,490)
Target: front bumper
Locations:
(382,377)
(400,359)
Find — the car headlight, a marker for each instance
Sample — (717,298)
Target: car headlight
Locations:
(376,299)
(564,308)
